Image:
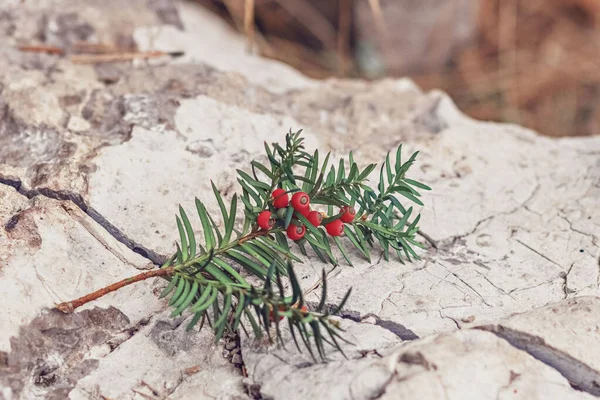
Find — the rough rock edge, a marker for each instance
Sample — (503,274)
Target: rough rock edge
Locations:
(404,353)
(580,375)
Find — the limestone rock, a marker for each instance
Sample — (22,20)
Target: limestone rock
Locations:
(466,364)
(94,161)
(563,335)
(53,252)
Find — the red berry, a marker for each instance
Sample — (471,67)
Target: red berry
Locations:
(335,228)
(304,309)
(300,201)
(348,214)
(280,198)
(315,218)
(265,221)
(272,314)
(305,211)
(296,232)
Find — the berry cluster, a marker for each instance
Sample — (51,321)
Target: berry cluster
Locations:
(301,204)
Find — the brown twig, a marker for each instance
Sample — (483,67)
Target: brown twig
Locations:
(42,49)
(69,306)
(252,235)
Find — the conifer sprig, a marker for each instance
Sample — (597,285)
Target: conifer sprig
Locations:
(209,278)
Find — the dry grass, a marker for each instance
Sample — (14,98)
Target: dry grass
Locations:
(532,62)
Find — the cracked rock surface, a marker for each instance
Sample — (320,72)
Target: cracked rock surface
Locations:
(93,157)
(467,364)
(563,335)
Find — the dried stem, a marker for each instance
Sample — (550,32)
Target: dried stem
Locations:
(69,306)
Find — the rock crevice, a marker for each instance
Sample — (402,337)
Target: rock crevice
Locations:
(76,199)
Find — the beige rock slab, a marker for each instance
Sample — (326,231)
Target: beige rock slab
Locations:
(53,252)
(468,364)
(564,335)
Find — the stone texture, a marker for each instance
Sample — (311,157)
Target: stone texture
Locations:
(44,234)
(160,361)
(564,335)
(217,45)
(465,364)
(95,159)
(54,252)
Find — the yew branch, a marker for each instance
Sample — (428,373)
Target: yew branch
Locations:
(69,306)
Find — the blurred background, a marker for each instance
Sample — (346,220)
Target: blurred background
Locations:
(530,62)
